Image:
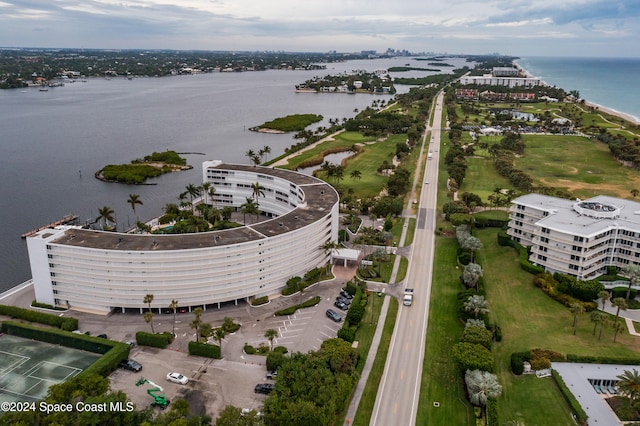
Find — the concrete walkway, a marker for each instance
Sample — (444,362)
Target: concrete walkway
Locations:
(357,394)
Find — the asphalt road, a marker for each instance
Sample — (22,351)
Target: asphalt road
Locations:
(399,391)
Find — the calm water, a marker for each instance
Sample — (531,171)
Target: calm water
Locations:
(53,142)
(610,82)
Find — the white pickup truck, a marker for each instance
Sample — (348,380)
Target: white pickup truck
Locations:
(407,299)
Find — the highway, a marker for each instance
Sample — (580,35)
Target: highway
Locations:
(397,399)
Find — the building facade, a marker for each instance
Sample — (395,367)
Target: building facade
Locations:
(490,80)
(577,237)
(102,272)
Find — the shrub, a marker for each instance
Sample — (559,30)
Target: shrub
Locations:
(517,361)
(348,334)
(292,309)
(470,356)
(46,306)
(260,301)
(622,292)
(229,326)
(204,349)
(275,360)
(248,349)
(154,340)
(281,349)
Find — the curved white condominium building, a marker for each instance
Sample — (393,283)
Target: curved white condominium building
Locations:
(101,272)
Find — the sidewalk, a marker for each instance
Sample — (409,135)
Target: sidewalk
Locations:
(373,350)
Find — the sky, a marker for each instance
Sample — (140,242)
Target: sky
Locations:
(598,28)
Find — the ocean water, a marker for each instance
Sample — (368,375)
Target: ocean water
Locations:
(609,82)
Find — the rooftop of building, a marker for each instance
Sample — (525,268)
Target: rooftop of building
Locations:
(584,217)
(320,197)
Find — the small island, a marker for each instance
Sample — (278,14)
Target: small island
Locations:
(140,170)
(290,123)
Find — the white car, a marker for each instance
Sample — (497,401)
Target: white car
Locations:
(177,378)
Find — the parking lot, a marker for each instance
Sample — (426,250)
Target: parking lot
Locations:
(213,384)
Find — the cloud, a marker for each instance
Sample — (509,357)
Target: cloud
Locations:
(437,25)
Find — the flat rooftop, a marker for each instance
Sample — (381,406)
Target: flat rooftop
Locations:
(319,197)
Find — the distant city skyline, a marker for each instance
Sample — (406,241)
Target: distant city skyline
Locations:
(608,28)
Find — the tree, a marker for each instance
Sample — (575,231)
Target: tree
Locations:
(205,330)
(250,154)
(249,207)
(576,309)
(629,384)
(204,190)
(133,200)
(603,295)
(174,307)
(328,248)
(621,304)
(633,273)
(598,318)
(148,318)
(148,299)
(264,151)
(473,244)
(271,334)
(197,322)
(105,214)
(355,174)
(218,335)
(477,305)
(471,275)
(193,192)
(481,385)
(635,192)
(258,191)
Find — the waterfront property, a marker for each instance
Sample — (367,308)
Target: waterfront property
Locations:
(102,272)
(577,237)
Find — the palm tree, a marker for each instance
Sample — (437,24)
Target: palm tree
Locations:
(633,273)
(105,214)
(265,150)
(477,305)
(249,207)
(471,275)
(197,321)
(148,299)
(603,295)
(328,248)
(617,327)
(218,335)
(211,193)
(620,303)
(258,191)
(481,386)
(204,190)
(576,309)
(355,174)
(133,200)
(193,191)
(250,155)
(174,307)
(629,384)
(148,317)
(597,318)
(271,334)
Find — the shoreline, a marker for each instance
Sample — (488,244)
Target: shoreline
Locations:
(611,111)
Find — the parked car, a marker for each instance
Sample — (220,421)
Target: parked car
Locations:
(333,315)
(272,375)
(340,305)
(343,300)
(177,378)
(131,365)
(265,388)
(344,293)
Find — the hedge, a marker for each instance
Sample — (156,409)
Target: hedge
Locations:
(517,361)
(206,350)
(493,419)
(581,416)
(112,352)
(154,340)
(622,292)
(292,309)
(260,301)
(602,359)
(63,323)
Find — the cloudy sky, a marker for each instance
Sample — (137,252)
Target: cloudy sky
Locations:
(512,27)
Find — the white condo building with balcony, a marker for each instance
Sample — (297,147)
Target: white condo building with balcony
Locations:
(577,237)
(102,272)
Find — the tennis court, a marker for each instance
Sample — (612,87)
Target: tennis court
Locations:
(28,367)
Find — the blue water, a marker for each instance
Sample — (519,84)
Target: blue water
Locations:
(609,82)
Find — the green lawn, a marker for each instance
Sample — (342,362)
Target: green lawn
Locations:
(441,380)
(482,178)
(530,319)
(581,165)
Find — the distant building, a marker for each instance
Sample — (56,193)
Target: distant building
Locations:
(490,80)
(579,238)
(505,72)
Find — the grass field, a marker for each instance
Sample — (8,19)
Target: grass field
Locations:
(581,165)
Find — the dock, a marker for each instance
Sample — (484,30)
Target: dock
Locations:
(64,221)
